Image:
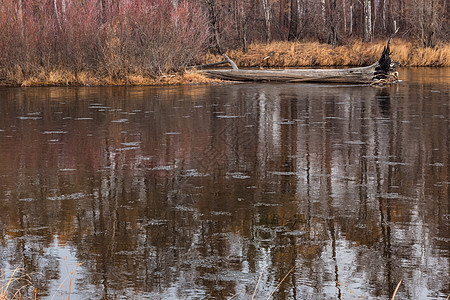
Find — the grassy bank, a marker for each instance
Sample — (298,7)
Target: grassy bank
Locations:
(65,77)
(296,54)
(283,54)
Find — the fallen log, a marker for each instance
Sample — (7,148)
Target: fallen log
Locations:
(227,60)
(380,73)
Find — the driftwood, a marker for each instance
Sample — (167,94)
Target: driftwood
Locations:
(379,73)
(227,60)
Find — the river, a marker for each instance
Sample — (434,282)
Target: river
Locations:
(303,191)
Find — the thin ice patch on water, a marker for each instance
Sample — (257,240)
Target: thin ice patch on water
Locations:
(29,230)
(394,163)
(221,213)
(125,253)
(156,222)
(131,144)
(390,195)
(228,117)
(145,158)
(334,118)
(119,121)
(237,175)
(194,173)
(55,132)
(164,168)
(74,196)
(265,204)
(29,118)
(284,122)
(98,107)
(279,173)
(127,149)
(355,142)
(295,233)
(26,199)
(184,208)
(346,178)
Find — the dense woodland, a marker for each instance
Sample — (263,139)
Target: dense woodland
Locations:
(328,21)
(152,37)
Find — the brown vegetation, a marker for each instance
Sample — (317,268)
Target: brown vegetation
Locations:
(97,42)
(86,78)
(296,54)
(68,42)
(283,54)
(16,286)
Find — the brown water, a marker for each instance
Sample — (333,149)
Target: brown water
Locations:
(211,191)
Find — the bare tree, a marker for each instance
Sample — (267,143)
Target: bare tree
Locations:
(211,5)
(367,21)
(293,21)
(267,7)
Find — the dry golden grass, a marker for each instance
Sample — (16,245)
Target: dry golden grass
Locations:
(12,287)
(297,54)
(283,54)
(61,77)
(192,77)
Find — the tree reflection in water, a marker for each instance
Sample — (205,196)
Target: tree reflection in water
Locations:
(193,192)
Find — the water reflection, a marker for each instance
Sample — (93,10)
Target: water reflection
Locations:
(196,192)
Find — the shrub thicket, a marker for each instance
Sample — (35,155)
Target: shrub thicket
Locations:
(107,38)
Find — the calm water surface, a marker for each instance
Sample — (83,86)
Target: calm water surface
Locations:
(211,192)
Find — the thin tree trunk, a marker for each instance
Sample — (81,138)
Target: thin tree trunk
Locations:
(20,18)
(344,12)
(367,21)
(57,15)
(293,24)
(373,25)
(267,10)
(213,19)
(323,8)
(282,18)
(350,31)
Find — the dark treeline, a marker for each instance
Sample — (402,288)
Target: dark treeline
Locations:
(115,38)
(328,21)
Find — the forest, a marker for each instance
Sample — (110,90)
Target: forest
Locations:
(79,39)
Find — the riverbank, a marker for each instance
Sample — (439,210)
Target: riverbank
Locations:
(61,77)
(281,55)
(297,54)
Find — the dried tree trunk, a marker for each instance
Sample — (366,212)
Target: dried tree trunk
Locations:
(367,21)
(293,22)
(354,75)
(57,15)
(213,19)
(350,31)
(381,72)
(267,9)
